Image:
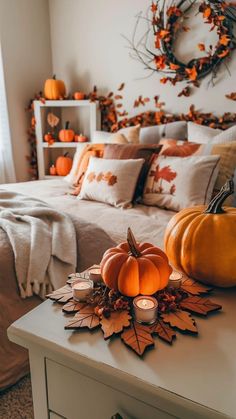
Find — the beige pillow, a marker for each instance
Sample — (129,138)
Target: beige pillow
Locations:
(71,177)
(118,138)
(111,181)
(227,166)
(126,135)
(204,135)
(175,183)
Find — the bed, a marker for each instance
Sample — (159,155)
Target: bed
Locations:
(95,232)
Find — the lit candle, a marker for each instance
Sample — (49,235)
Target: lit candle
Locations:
(95,273)
(175,279)
(145,309)
(82,289)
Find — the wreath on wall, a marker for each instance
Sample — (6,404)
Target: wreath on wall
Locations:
(165,24)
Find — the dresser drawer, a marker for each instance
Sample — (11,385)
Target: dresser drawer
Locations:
(76,396)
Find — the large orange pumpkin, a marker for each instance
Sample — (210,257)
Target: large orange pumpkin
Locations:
(201,241)
(54,89)
(134,268)
(66,135)
(63,165)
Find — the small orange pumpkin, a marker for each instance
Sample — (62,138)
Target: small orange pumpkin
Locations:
(54,89)
(79,95)
(66,135)
(63,165)
(81,138)
(134,268)
(53,170)
(201,241)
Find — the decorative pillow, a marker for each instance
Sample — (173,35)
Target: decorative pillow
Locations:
(111,181)
(71,177)
(201,134)
(95,150)
(124,135)
(153,134)
(134,151)
(175,183)
(227,153)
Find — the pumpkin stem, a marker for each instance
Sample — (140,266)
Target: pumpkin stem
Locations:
(54,76)
(66,154)
(67,124)
(132,244)
(215,206)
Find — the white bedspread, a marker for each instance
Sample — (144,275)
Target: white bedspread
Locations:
(43,241)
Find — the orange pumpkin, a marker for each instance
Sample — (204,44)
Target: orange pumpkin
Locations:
(66,135)
(53,170)
(201,241)
(63,165)
(54,89)
(134,268)
(79,95)
(81,138)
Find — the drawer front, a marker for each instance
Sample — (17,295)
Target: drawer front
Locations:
(75,396)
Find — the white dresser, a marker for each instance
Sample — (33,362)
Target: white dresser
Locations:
(78,375)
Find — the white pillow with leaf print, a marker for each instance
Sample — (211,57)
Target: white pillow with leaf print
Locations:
(175,183)
(111,181)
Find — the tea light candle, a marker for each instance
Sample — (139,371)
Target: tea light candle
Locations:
(175,279)
(95,274)
(145,309)
(82,289)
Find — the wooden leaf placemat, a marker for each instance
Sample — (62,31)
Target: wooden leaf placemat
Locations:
(112,312)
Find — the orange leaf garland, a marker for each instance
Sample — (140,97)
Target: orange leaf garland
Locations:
(115,323)
(138,337)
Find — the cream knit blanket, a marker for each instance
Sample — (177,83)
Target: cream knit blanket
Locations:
(43,241)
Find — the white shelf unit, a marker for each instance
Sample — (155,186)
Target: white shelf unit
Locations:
(84,118)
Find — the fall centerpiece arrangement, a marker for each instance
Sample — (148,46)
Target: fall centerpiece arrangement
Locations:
(134,294)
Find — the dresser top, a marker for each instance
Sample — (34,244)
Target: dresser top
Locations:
(201,369)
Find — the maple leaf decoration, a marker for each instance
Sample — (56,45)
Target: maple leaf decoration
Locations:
(165,173)
(185,92)
(84,318)
(231,96)
(138,337)
(53,120)
(164,331)
(194,287)
(199,305)
(181,320)
(115,323)
(62,295)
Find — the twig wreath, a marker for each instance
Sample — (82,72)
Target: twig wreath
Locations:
(165,23)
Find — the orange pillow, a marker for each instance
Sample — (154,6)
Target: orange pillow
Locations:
(94,150)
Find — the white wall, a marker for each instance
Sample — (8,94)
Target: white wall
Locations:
(26,48)
(88,49)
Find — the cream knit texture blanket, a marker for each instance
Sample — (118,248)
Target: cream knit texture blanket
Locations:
(43,241)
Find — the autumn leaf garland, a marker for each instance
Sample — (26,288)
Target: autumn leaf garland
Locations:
(112,312)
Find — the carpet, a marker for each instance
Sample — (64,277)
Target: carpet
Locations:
(16,402)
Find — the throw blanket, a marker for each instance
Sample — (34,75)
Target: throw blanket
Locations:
(43,241)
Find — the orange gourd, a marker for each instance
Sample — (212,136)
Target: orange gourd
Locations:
(79,95)
(201,241)
(53,170)
(54,89)
(63,165)
(134,268)
(80,138)
(66,135)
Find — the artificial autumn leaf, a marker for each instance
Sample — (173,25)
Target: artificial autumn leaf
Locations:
(163,330)
(192,73)
(174,67)
(62,295)
(185,92)
(84,318)
(138,337)
(74,306)
(199,305)
(163,33)
(160,61)
(53,120)
(174,10)
(207,13)
(194,287)
(231,96)
(201,47)
(154,8)
(115,323)
(185,28)
(118,97)
(224,40)
(164,80)
(121,87)
(181,320)
(223,53)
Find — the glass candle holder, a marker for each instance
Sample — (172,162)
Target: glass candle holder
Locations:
(145,309)
(95,274)
(175,279)
(82,289)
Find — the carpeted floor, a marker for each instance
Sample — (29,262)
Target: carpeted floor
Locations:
(16,402)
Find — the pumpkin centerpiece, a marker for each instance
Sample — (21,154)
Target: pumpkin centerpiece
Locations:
(66,135)
(63,165)
(54,89)
(201,241)
(134,268)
